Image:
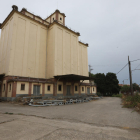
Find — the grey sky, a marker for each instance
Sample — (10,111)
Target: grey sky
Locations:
(111,27)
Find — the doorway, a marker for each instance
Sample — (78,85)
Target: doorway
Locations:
(88,90)
(36,90)
(68,90)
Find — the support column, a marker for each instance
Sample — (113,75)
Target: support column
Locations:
(79,90)
(43,89)
(55,89)
(14,88)
(86,90)
(64,88)
(30,88)
(72,89)
(6,88)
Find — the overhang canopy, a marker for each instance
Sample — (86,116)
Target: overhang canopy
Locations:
(73,77)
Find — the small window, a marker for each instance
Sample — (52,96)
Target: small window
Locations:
(93,88)
(75,88)
(59,87)
(53,18)
(82,88)
(49,87)
(3,87)
(60,18)
(10,87)
(22,86)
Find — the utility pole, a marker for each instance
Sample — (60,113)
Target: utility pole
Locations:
(130,76)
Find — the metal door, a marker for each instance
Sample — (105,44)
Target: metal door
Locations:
(36,90)
(68,90)
(88,90)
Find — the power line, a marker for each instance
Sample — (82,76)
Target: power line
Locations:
(122,68)
(136,67)
(135,60)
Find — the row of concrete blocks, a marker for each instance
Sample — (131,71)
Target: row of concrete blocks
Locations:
(62,102)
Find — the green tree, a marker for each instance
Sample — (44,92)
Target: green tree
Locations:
(135,87)
(125,88)
(100,81)
(112,82)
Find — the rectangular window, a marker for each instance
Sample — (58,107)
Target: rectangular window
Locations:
(59,87)
(75,88)
(10,87)
(82,88)
(93,88)
(3,87)
(22,86)
(49,88)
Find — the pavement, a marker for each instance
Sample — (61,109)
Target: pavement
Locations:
(104,119)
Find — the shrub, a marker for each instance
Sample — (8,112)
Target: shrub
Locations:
(117,95)
(99,94)
(132,101)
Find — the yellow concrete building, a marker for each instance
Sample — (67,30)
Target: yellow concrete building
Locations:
(42,57)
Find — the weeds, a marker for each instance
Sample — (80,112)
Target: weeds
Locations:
(117,95)
(131,101)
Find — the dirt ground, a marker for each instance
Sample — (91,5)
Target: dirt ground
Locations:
(104,119)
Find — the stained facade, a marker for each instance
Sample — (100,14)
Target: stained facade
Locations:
(42,57)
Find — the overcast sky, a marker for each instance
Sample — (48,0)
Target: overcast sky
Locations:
(110,27)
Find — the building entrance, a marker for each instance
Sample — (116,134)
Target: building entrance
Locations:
(68,90)
(88,90)
(36,90)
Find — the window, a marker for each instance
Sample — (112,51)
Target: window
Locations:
(59,87)
(22,86)
(3,87)
(49,87)
(60,18)
(75,88)
(53,18)
(82,88)
(93,88)
(10,87)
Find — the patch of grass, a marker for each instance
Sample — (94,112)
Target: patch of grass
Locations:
(9,113)
(131,101)
(117,95)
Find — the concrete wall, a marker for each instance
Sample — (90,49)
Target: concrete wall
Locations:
(51,89)
(3,91)
(76,84)
(23,48)
(60,16)
(9,92)
(64,53)
(5,46)
(95,89)
(60,92)
(19,91)
(84,89)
